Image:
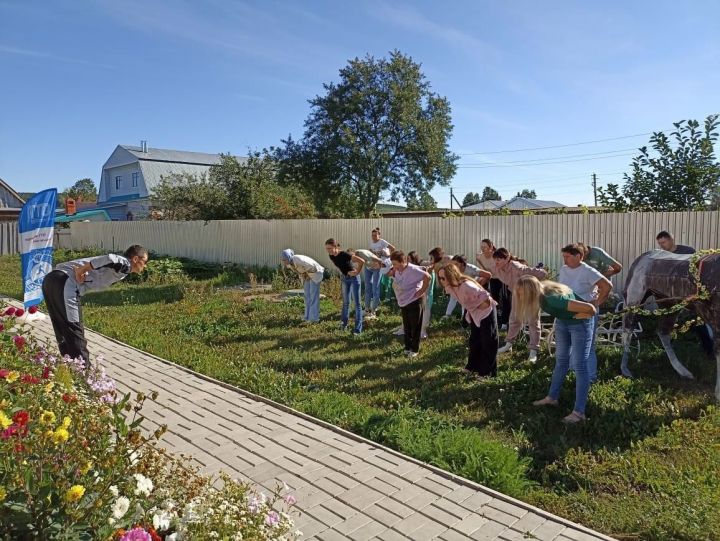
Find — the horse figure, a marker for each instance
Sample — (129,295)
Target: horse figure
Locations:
(666,276)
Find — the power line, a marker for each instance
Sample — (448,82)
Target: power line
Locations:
(543,163)
(557,146)
(556,157)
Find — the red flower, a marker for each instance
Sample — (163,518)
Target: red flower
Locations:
(153,534)
(46,372)
(19,341)
(32,309)
(10,311)
(19,312)
(69,398)
(21,418)
(29,378)
(9,432)
(19,447)
(4,373)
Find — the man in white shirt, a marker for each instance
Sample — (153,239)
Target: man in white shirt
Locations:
(588,284)
(381,249)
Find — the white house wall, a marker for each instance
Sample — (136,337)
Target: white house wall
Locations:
(126,188)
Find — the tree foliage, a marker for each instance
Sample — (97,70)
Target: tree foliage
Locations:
(83,190)
(379,129)
(232,190)
(527,194)
(490,194)
(471,198)
(681,173)
(424,201)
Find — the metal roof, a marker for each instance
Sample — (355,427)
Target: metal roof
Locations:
(84,215)
(173,156)
(516,203)
(9,198)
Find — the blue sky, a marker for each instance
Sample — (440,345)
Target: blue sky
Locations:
(80,77)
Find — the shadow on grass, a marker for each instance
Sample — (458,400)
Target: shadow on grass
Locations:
(167,294)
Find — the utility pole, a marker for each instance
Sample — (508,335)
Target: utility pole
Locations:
(451,198)
(594,185)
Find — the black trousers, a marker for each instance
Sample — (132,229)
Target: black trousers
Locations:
(503,297)
(70,335)
(412,315)
(483,345)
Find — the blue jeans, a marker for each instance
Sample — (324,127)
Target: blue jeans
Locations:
(372,289)
(351,287)
(572,350)
(592,358)
(312,301)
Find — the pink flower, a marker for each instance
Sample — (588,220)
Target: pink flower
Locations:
(33,309)
(19,312)
(290,499)
(272,518)
(4,373)
(10,311)
(136,534)
(19,341)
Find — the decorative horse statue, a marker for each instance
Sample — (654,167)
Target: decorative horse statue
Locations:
(666,276)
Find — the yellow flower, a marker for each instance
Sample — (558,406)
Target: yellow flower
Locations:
(60,436)
(5,421)
(86,467)
(3,494)
(49,387)
(47,417)
(66,422)
(74,493)
(12,376)
(4,404)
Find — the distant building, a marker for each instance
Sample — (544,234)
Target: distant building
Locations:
(516,203)
(130,173)
(10,203)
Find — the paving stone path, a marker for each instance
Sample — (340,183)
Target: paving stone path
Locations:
(347,487)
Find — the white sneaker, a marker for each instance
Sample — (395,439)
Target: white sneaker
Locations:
(412,354)
(532,357)
(423,335)
(503,327)
(507,347)
(399,332)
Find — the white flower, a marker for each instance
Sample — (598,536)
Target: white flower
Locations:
(172,537)
(121,506)
(144,485)
(161,521)
(114,491)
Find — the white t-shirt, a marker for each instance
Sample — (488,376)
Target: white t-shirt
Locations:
(307,265)
(380,248)
(581,280)
(472,270)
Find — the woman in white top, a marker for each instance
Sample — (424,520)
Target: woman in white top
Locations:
(311,274)
(381,249)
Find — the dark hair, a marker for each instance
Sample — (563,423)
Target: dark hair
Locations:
(376,230)
(460,259)
(398,255)
(332,242)
(135,250)
(572,249)
(502,253)
(437,254)
(414,258)
(663,235)
(489,243)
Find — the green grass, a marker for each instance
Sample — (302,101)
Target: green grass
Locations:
(645,465)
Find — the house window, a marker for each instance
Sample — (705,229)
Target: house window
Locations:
(135,180)
(118,182)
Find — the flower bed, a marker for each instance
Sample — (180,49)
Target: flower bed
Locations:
(75,464)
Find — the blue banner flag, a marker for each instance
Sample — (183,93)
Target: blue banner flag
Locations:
(36,226)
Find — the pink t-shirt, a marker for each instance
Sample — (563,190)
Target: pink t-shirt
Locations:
(471,296)
(407,283)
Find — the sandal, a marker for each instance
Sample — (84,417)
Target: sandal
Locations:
(574,417)
(547,401)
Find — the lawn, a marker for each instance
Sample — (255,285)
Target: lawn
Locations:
(644,466)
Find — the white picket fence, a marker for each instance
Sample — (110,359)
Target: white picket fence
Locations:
(535,238)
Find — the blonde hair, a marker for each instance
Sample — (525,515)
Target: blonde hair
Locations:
(529,292)
(453,276)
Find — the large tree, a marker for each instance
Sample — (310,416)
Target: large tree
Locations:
(233,189)
(83,190)
(680,173)
(424,201)
(471,198)
(490,194)
(527,194)
(379,129)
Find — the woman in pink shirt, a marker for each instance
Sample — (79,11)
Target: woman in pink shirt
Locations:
(410,284)
(480,314)
(509,270)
